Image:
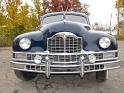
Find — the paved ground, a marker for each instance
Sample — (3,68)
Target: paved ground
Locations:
(62,83)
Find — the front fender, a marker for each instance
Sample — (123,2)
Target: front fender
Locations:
(92,40)
(37,42)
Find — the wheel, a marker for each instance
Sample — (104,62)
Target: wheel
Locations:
(25,76)
(101,76)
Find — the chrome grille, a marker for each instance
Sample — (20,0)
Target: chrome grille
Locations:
(73,45)
(61,58)
(56,45)
(65,58)
(64,42)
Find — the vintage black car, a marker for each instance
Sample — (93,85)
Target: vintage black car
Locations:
(65,44)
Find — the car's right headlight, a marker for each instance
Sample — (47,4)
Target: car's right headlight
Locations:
(25,43)
(104,42)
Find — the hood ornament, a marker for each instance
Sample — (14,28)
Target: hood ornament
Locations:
(64,16)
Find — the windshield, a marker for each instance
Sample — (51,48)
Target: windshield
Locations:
(69,17)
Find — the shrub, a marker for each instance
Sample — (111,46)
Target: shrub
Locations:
(7,36)
(121,34)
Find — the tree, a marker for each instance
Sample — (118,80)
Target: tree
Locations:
(17,15)
(16,18)
(42,7)
(64,5)
(2,16)
(37,11)
(19,18)
(120,3)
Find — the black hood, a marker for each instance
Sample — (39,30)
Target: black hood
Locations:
(64,26)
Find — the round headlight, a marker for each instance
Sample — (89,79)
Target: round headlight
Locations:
(25,43)
(92,58)
(104,42)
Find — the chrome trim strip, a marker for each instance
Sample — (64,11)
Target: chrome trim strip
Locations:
(73,72)
(83,52)
(102,63)
(25,60)
(94,52)
(66,66)
(107,59)
(21,63)
(64,62)
(66,72)
(63,34)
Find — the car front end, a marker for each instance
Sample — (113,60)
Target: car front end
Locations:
(64,47)
(65,55)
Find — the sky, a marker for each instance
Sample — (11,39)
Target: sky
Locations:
(100,10)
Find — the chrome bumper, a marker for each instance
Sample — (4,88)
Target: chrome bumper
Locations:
(51,67)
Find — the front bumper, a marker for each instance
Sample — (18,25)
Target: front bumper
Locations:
(61,63)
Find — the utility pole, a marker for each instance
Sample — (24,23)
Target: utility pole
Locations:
(110,23)
(118,21)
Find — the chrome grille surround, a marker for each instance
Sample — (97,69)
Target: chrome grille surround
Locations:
(64,42)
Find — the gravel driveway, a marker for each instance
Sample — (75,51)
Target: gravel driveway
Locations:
(60,83)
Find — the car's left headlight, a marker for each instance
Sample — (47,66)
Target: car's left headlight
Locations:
(25,43)
(104,42)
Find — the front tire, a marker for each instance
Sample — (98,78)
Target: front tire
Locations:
(25,76)
(102,76)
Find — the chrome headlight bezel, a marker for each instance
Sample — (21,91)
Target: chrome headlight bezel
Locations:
(104,42)
(25,43)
